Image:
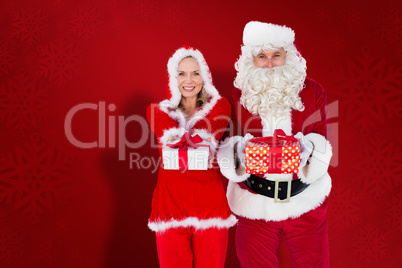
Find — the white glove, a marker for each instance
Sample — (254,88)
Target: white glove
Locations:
(306,148)
(240,148)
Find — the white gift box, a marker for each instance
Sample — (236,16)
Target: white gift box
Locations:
(197,157)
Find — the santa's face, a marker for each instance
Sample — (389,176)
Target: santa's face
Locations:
(189,78)
(271,81)
(270,58)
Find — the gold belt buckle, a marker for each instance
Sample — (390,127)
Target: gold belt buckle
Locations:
(277,189)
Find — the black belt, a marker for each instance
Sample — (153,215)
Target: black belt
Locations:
(275,189)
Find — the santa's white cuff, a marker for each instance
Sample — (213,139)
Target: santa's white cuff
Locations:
(319,161)
(227,162)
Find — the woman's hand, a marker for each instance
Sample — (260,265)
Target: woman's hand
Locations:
(173,138)
(210,159)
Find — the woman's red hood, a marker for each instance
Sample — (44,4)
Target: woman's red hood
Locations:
(172,88)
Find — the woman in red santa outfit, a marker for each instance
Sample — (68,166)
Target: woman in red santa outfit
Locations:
(190,213)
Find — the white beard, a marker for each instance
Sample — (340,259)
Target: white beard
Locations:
(271,91)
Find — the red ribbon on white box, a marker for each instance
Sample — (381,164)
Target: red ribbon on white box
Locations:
(186,141)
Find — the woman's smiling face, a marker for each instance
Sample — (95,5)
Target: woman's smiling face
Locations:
(189,78)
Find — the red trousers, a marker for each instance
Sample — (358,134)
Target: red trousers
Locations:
(187,247)
(306,236)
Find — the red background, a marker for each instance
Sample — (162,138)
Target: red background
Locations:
(63,206)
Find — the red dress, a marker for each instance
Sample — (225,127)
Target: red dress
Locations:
(190,198)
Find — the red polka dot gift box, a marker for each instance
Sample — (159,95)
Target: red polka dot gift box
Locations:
(278,154)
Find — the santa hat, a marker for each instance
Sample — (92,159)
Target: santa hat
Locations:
(267,34)
(173,92)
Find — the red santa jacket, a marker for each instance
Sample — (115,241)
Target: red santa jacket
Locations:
(312,122)
(192,197)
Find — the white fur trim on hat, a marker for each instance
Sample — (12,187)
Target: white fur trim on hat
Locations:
(173,65)
(262,34)
(169,106)
(192,221)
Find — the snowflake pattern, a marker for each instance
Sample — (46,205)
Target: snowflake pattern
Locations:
(60,61)
(145,10)
(61,4)
(120,23)
(345,208)
(350,17)
(50,252)
(34,178)
(7,57)
(380,165)
(177,15)
(29,24)
(77,256)
(2,137)
(337,244)
(337,43)
(86,21)
(371,245)
(322,13)
(393,211)
(22,102)
(369,89)
(389,27)
(63,226)
(399,131)
(11,243)
(114,3)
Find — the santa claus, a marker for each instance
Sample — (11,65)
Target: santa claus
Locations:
(272,92)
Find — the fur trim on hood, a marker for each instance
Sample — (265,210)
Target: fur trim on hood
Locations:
(173,93)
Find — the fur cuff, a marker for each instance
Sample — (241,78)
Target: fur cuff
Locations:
(194,222)
(204,134)
(164,139)
(319,160)
(227,162)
